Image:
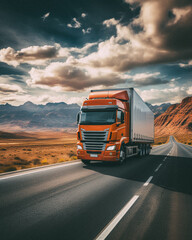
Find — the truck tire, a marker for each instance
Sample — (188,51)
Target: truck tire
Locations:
(144,150)
(147,149)
(86,162)
(122,156)
(140,151)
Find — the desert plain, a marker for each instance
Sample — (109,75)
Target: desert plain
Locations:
(21,150)
(31,149)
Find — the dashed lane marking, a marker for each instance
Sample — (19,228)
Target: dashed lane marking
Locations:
(148,181)
(107,230)
(158,167)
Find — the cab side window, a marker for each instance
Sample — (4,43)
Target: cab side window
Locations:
(120,116)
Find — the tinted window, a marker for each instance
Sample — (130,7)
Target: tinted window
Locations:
(98,117)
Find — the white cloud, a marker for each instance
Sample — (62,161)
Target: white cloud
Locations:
(10,88)
(146,79)
(160,38)
(40,55)
(83,15)
(110,22)
(88,30)
(75,23)
(46,15)
(189,64)
(72,77)
(189,91)
(36,55)
(84,49)
(171,95)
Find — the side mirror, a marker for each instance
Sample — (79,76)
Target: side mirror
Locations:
(78,117)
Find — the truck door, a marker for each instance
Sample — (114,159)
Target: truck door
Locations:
(120,124)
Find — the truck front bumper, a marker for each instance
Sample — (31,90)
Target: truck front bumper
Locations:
(108,156)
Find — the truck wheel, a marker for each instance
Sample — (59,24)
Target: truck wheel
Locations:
(140,151)
(122,156)
(147,149)
(144,150)
(86,162)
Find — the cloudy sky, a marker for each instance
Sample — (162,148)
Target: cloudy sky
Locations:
(53,51)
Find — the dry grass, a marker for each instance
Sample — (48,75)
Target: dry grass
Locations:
(19,154)
(186,139)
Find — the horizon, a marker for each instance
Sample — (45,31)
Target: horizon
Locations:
(61,50)
(75,103)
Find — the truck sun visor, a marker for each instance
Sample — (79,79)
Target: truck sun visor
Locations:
(99,107)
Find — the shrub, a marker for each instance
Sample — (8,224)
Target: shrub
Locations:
(44,161)
(36,161)
(71,154)
(10,168)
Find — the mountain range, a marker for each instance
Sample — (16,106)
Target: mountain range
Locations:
(169,118)
(158,109)
(32,116)
(177,119)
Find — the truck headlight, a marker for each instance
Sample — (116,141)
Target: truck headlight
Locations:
(79,147)
(111,148)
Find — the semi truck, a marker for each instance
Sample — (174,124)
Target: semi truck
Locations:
(113,125)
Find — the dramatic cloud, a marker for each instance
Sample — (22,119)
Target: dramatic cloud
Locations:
(45,16)
(39,55)
(110,22)
(189,91)
(74,24)
(158,96)
(154,32)
(10,88)
(189,64)
(71,77)
(161,33)
(147,79)
(32,55)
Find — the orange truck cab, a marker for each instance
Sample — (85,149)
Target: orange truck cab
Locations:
(106,126)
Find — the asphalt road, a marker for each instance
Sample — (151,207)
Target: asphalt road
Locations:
(148,198)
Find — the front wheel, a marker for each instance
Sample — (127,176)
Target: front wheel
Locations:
(86,162)
(122,156)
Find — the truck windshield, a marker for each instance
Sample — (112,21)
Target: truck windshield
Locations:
(98,117)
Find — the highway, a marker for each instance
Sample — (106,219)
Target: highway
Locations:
(146,198)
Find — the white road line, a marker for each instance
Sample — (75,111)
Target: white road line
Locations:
(107,230)
(39,170)
(164,159)
(158,167)
(148,181)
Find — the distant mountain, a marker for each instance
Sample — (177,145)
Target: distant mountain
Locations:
(158,109)
(18,135)
(52,115)
(177,119)
(29,115)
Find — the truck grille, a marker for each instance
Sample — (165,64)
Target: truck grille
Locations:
(94,136)
(94,140)
(94,146)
